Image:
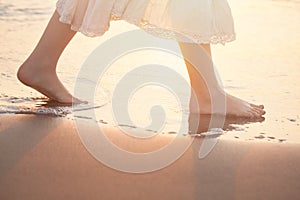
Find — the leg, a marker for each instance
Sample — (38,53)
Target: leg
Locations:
(205,85)
(39,70)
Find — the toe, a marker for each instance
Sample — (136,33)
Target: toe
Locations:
(257,106)
(263,112)
(261,106)
(256,112)
(260,111)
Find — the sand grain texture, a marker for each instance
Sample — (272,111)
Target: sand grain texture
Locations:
(43,158)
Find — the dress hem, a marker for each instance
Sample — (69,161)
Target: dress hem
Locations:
(165,33)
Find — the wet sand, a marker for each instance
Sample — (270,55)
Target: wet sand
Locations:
(261,66)
(43,158)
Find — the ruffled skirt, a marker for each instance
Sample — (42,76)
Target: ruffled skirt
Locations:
(199,21)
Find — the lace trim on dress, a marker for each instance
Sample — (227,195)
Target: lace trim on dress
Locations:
(166,32)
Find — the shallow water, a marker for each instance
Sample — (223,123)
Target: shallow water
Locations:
(262,66)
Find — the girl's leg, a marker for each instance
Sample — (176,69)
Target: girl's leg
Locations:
(205,85)
(39,70)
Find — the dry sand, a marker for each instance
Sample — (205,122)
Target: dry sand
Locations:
(43,158)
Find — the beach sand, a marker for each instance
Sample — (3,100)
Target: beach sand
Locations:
(42,157)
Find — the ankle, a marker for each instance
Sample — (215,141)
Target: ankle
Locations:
(35,65)
(208,95)
(30,70)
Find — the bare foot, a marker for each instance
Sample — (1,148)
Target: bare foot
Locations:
(44,79)
(235,107)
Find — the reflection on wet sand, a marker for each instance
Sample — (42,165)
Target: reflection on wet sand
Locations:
(203,123)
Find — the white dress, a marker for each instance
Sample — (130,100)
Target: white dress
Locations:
(200,21)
